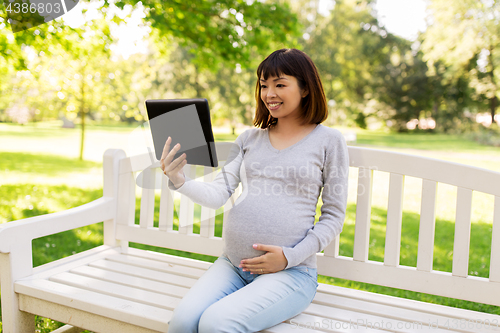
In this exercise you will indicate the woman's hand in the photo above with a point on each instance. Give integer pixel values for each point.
(271, 262)
(173, 169)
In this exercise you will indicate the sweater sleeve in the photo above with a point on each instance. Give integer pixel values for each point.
(216, 193)
(334, 197)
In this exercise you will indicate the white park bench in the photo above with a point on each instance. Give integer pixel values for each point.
(117, 288)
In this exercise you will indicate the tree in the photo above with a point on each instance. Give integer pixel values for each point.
(351, 51)
(215, 31)
(465, 37)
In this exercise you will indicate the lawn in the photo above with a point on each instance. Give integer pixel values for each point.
(40, 174)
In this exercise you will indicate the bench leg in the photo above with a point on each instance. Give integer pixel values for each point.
(13, 320)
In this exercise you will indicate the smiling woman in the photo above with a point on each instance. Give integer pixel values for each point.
(289, 74)
(267, 272)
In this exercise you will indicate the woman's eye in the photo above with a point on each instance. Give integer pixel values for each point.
(263, 86)
(280, 85)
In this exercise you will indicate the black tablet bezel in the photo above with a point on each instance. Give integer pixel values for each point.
(157, 107)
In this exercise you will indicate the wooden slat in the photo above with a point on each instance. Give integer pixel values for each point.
(328, 321)
(362, 319)
(461, 244)
(402, 277)
(166, 218)
(456, 174)
(150, 273)
(147, 198)
(495, 243)
(394, 220)
(171, 239)
(95, 303)
(207, 216)
(187, 271)
(137, 163)
(186, 207)
(168, 258)
(427, 226)
(102, 287)
(137, 282)
(363, 215)
(332, 250)
(126, 199)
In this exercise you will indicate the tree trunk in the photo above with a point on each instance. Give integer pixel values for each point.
(82, 110)
(493, 106)
(493, 100)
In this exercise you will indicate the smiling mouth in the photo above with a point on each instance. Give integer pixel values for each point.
(274, 105)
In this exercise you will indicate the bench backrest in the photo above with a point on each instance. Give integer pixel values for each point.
(178, 233)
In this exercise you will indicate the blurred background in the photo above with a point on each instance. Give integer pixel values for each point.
(416, 76)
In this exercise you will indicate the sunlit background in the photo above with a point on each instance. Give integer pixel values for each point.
(414, 76)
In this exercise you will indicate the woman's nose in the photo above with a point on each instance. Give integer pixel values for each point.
(271, 92)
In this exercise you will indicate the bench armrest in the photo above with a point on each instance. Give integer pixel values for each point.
(30, 228)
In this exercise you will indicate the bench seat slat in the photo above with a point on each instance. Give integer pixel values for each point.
(376, 312)
(116, 308)
(369, 321)
(168, 258)
(156, 265)
(79, 319)
(117, 290)
(404, 303)
(305, 322)
(132, 281)
(139, 271)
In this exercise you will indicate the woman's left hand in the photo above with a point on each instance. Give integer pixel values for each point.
(271, 262)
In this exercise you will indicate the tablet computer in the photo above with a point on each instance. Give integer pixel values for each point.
(186, 121)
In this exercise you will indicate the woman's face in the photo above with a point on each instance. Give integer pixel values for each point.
(282, 96)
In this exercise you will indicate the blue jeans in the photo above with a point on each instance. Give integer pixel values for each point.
(226, 299)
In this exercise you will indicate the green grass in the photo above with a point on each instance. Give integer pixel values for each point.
(40, 174)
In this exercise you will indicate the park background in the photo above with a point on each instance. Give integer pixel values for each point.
(73, 87)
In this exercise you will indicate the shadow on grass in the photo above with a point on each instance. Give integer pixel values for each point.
(44, 165)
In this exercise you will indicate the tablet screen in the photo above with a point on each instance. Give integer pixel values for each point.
(186, 121)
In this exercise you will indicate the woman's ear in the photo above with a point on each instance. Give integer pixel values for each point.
(305, 92)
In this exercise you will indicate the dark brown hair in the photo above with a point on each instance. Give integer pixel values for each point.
(295, 63)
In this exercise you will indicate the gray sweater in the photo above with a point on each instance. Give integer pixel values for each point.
(280, 192)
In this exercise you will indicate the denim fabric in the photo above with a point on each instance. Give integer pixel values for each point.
(227, 299)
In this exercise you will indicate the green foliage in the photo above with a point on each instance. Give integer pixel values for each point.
(233, 31)
(463, 40)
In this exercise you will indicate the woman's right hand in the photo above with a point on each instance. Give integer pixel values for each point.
(173, 169)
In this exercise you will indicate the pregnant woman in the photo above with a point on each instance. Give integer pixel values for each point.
(267, 271)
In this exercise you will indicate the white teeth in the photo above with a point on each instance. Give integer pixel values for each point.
(274, 104)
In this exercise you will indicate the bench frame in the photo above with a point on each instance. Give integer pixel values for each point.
(117, 209)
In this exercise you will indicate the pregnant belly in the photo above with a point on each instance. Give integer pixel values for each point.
(239, 245)
(245, 225)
